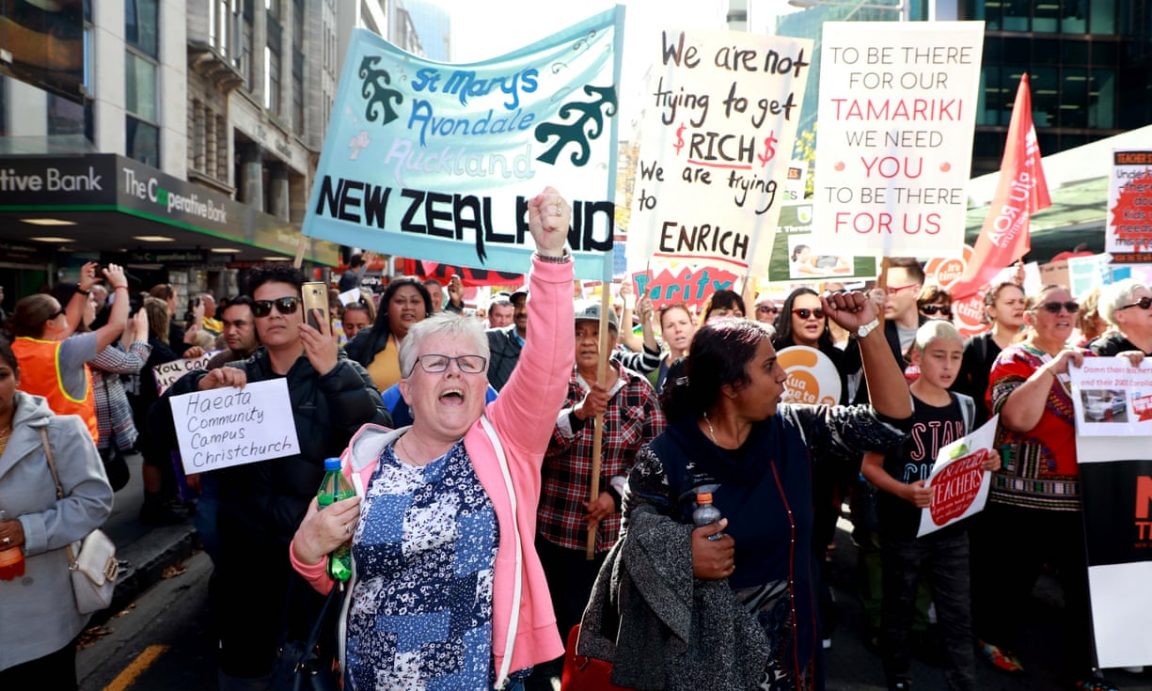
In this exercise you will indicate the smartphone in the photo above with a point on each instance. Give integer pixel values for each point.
(315, 299)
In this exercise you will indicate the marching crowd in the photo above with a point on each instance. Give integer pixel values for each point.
(476, 543)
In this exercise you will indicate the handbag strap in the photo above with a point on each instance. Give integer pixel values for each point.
(314, 636)
(51, 461)
(51, 458)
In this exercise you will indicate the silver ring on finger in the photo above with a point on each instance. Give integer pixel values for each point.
(348, 528)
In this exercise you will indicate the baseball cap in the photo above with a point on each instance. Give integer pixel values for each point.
(589, 311)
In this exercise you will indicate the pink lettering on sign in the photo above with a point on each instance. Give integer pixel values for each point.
(956, 486)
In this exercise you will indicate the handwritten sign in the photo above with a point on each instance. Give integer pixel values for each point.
(897, 114)
(1128, 227)
(718, 130)
(432, 160)
(958, 481)
(168, 372)
(226, 427)
(1111, 397)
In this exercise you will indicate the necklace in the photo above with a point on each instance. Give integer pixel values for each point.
(711, 430)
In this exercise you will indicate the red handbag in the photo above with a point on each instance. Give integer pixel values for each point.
(583, 673)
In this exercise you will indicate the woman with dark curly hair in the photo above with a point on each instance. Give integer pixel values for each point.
(406, 301)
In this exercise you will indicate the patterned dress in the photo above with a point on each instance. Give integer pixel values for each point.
(425, 549)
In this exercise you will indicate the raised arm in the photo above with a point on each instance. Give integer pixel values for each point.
(886, 385)
(118, 318)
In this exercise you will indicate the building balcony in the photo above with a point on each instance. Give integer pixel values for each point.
(207, 62)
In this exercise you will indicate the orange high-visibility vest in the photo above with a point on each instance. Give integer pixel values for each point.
(40, 375)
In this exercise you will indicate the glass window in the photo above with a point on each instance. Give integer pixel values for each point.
(143, 142)
(298, 90)
(1074, 98)
(1102, 99)
(1045, 96)
(1104, 53)
(1075, 19)
(1103, 19)
(140, 25)
(1046, 51)
(140, 87)
(64, 116)
(1047, 16)
(1073, 52)
(271, 80)
(1016, 14)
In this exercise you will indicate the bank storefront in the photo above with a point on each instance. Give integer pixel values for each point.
(56, 212)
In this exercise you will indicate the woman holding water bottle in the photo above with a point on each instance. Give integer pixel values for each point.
(726, 429)
(447, 590)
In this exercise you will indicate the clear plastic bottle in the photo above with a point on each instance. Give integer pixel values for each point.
(705, 513)
(11, 559)
(334, 488)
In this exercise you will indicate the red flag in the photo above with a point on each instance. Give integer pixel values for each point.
(1020, 192)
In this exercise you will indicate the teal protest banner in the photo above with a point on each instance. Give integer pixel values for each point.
(438, 161)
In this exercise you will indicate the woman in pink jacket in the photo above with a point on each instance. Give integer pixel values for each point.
(447, 588)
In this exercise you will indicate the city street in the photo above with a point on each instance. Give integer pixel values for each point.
(163, 641)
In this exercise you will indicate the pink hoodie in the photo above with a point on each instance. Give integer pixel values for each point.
(523, 418)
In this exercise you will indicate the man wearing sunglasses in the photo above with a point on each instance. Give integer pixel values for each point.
(1127, 306)
(262, 504)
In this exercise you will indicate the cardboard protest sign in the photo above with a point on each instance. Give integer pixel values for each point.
(718, 129)
(167, 373)
(896, 119)
(1115, 461)
(670, 282)
(1111, 397)
(1128, 226)
(812, 377)
(431, 160)
(229, 426)
(959, 483)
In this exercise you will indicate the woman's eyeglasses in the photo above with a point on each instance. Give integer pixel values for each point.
(285, 305)
(468, 364)
(933, 310)
(1054, 307)
(804, 313)
(1143, 303)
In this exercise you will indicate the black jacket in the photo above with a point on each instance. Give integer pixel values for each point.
(1111, 344)
(504, 354)
(364, 346)
(265, 501)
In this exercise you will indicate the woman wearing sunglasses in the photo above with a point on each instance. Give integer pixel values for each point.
(447, 590)
(1032, 519)
(1126, 305)
(934, 302)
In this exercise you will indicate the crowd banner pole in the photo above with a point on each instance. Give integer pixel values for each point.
(598, 423)
(301, 245)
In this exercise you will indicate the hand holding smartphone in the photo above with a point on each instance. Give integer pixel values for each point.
(315, 294)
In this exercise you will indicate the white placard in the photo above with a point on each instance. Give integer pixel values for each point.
(226, 427)
(350, 297)
(897, 115)
(718, 129)
(959, 481)
(167, 373)
(1111, 397)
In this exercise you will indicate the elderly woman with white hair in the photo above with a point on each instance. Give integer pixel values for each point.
(447, 589)
(1127, 306)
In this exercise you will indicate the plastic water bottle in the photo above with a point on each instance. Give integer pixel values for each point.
(11, 559)
(705, 513)
(334, 488)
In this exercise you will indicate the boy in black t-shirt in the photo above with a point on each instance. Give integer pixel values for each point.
(939, 418)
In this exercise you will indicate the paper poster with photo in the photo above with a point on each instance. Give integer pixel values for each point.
(959, 482)
(1128, 225)
(897, 115)
(168, 372)
(718, 128)
(439, 161)
(812, 377)
(226, 427)
(1112, 398)
(797, 256)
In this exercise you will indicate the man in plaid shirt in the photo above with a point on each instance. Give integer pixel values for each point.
(632, 417)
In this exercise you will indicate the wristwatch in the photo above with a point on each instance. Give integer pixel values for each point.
(868, 328)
